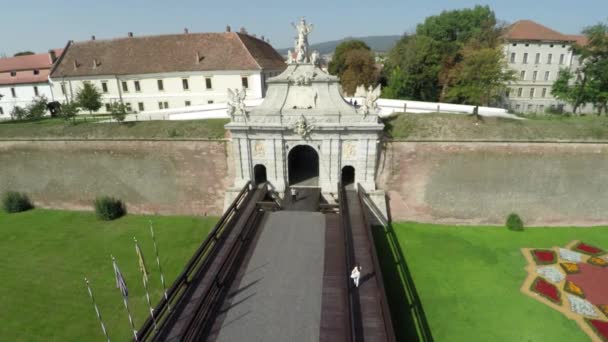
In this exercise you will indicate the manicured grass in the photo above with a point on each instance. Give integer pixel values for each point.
(46, 254)
(468, 280)
(465, 127)
(90, 129)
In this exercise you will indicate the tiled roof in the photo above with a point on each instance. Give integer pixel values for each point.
(527, 30)
(167, 53)
(579, 39)
(24, 67)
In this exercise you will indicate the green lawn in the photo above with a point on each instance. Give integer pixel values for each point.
(468, 280)
(46, 254)
(464, 127)
(90, 129)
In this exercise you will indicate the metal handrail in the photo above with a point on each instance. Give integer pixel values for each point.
(350, 263)
(386, 313)
(181, 283)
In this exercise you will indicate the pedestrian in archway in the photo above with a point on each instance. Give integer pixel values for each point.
(294, 194)
(355, 275)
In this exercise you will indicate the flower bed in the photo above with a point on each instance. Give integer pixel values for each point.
(600, 327)
(544, 257)
(546, 289)
(588, 249)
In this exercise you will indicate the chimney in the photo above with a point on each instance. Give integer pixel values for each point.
(76, 65)
(199, 57)
(262, 38)
(130, 34)
(228, 28)
(52, 56)
(243, 31)
(96, 63)
(186, 30)
(93, 37)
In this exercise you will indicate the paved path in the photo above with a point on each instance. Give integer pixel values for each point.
(279, 296)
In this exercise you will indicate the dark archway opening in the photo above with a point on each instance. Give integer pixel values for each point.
(259, 174)
(348, 177)
(303, 164)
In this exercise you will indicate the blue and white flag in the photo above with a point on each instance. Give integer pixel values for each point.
(120, 280)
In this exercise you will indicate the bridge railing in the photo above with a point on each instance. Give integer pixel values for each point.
(196, 264)
(386, 312)
(353, 299)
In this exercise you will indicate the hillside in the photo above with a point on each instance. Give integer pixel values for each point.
(376, 43)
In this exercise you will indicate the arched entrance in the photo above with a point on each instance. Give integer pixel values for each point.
(348, 177)
(259, 174)
(303, 164)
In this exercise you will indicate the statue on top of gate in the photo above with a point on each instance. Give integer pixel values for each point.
(301, 48)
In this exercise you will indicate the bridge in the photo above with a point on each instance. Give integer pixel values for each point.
(279, 270)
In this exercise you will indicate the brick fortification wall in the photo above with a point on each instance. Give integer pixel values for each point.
(165, 177)
(481, 183)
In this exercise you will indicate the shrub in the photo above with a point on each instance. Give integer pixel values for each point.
(15, 202)
(37, 108)
(118, 111)
(109, 208)
(515, 223)
(18, 113)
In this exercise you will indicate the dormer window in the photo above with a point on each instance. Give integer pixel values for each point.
(36, 72)
(13, 73)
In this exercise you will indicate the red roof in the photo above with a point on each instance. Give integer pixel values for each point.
(528, 30)
(24, 66)
(578, 39)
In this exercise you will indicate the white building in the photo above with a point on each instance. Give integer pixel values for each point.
(167, 71)
(537, 53)
(24, 78)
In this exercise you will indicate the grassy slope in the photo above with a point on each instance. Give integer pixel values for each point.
(46, 254)
(468, 279)
(57, 128)
(461, 127)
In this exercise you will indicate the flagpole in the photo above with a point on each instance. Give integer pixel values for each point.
(124, 297)
(160, 270)
(103, 326)
(144, 273)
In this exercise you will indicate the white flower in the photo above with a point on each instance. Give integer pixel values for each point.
(581, 306)
(551, 273)
(569, 255)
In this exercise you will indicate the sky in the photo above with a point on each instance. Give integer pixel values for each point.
(39, 25)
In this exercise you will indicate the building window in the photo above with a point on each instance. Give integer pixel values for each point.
(160, 84)
(1, 111)
(526, 58)
(514, 44)
(508, 94)
(163, 105)
(13, 92)
(104, 87)
(517, 107)
(550, 57)
(529, 108)
(140, 106)
(137, 86)
(522, 75)
(541, 108)
(532, 92)
(36, 71)
(547, 74)
(208, 83)
(160, 105)
(562, 57)
(166, 105)
(125, 86)
(209, 101)
(245, 82)
(537, 61)
(13, 73)
(63, 89)
(544, 93)
(534, 75)
(185, 84)
(35, 90)
(128, 107)
(108, 108)
(520, 91)
(187, 103)
(513, 56)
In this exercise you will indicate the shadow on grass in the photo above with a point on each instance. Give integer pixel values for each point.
(409, 319)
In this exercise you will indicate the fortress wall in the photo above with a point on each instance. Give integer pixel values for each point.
(165, 177)
(481, 183)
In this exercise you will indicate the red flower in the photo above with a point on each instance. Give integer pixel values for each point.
(588, 249)
(544, 257)
(600, 327)
(546, 289)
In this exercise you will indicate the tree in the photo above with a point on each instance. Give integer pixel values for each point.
(68, 111)
(89, 97)
(481, 78)
(37, 108)
(23, 53)
(337, 65)
(360, 70)
(118, 111)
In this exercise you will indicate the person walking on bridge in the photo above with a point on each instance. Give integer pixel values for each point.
(294, 194)
(356, 274)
